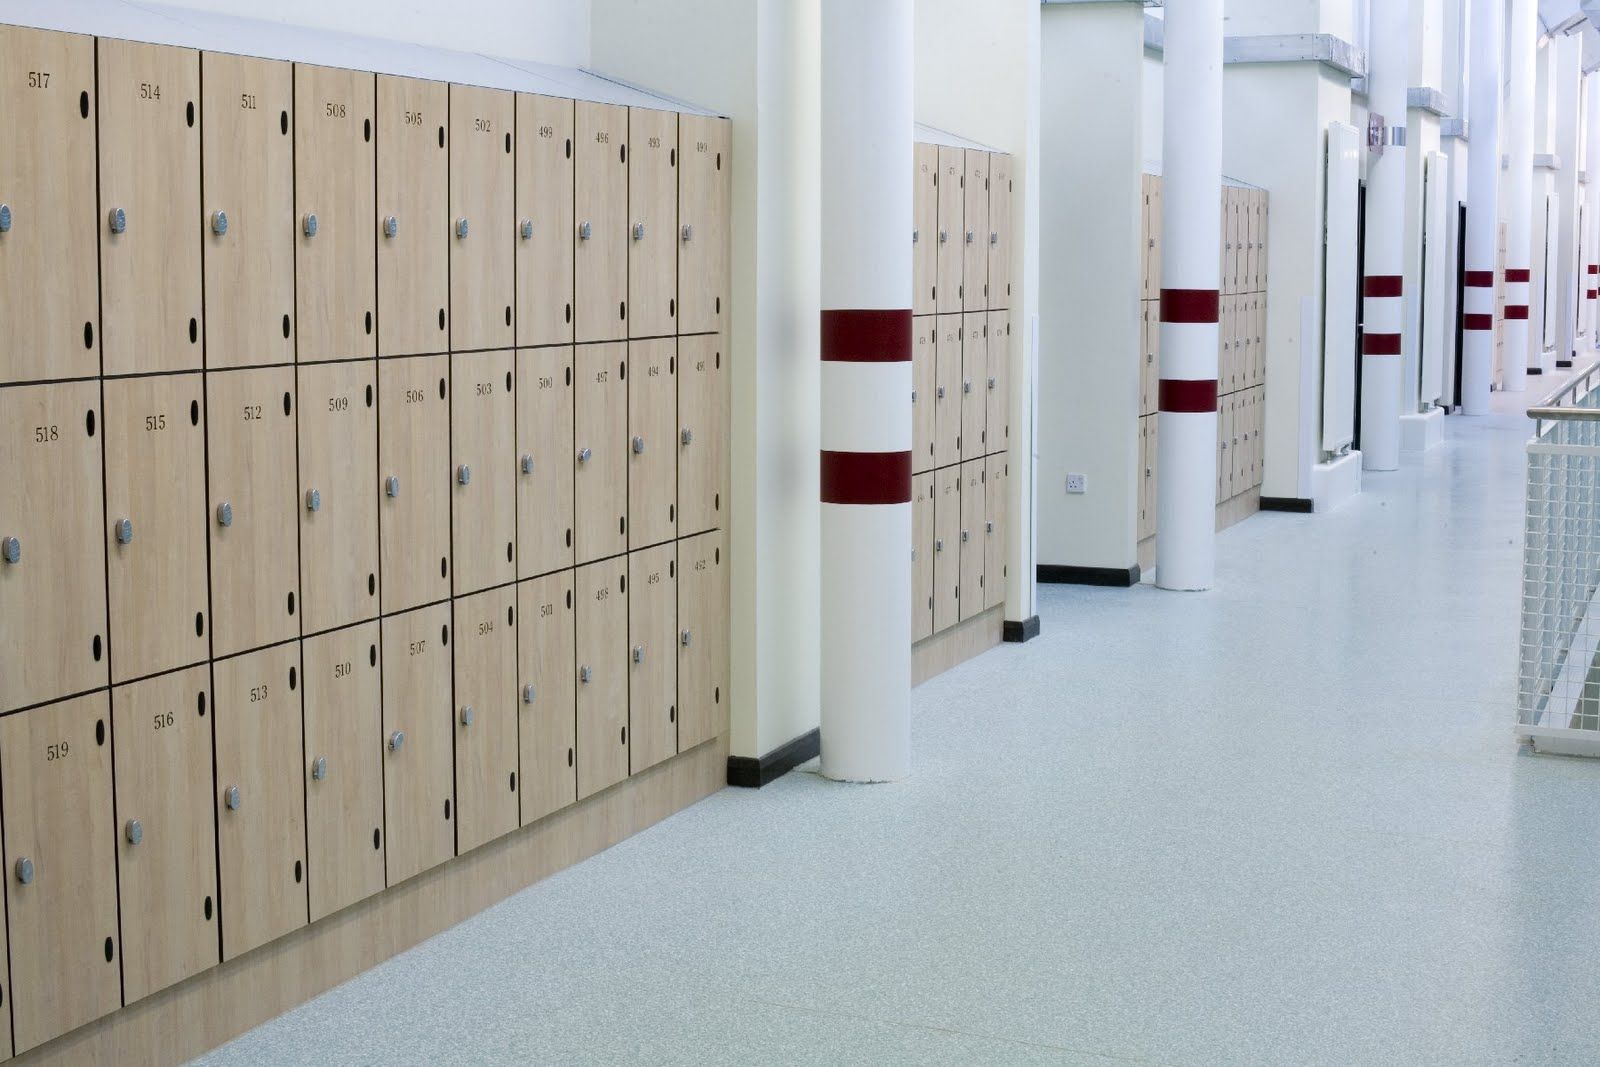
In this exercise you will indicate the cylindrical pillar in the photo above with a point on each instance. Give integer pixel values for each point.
(867, 130)
(1522, 61)
(1191, 221)
(1589, 263)
(1383, 333)
(1483, 206)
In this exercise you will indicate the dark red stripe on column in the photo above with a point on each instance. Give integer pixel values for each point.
(866, 477)
(1188, 396)
(1516, 311)
(866, 336)
(1380, 344)
(1480, 279)
(1380, 285)
(1518, 274)
(1593, 294)
(1190, 305)
(1594, 268)
(1477, 322)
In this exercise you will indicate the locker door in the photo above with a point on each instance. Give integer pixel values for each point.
(1235, 473)
(49, 254)
(600, 422)
(600, 207)
(52, 593)
(547, 681)
(150, 270)
(947, 392)
(413, 216)
(924, 229)
(997, 434)
(921, 556)
(261, 796)
(414, 480)
(544, 220)
(974, 384)
(1152, 475)
(1143, 486)
(482, 218)
(652, 441)
(652, 656)
(486, 716)
(1146, 287)
(975, 236)
(544, 460)
(1000, 189)
(343, 768)
(602, 644)
(1149, 372)
(166, 829)
(1222, 449)
(255, 564)
(652, 222)
(996, 505)
(418, 761)
(702, 433)
(1261, 339)
(705, 200)
(952, 231)
(702, 638)
(156, 523)
(338, 494)
(483, 440)
(973, 542)
(61, 890)
(924, 375)
(1226, 371)
(247, 210)
(1252, 208)
(946, 548)
(334, 174)
(1156, 249)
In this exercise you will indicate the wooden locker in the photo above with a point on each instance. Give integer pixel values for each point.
(166, 829)
(483, 225)
(1227, 368)
(1000, 190)
(60, 863)
(1146, 242)
(547, 694)
(53, 592)
(414, 480)
(1142, 485)
(544, 220)
(1239, 438)
(924, 229)
(952, 167)
(974, 384)
(602, 647)
(483, 456)
(652, 656)
(997, 387)
(255, 558)
(946, 548)
(1251, 199)
(973, 542)
(413, 215)
(246, 209)
(343, 767)
(702, 444)
(544, 460)
(1149, 332)
(652, 222)
(419, 829)
(975, 235)
(338, 494)
(486, 717)
(996, 508)
(924, 376)
(149, 97)
(1222, 450)
(1257, 414)
(652, 441)
(922, 556)
(705, 206)
(947, 406)
(702, 643)
(335, 172)
(1156, 209)
(49, 247)
(1261, 339)
(1152, 471)
(600, 208)
(600, 428)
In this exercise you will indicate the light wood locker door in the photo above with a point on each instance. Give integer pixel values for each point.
(413, 216)
(946, 548)
(652, 222)
(255, 558)
(166, 829)
(149, 97)
(156, 523)
(1000, 190)
(547, 694)
(652, 441)
(261, 796)
(343, 767)
(1158, 248)
(702, 638)
(1236, 466)
(924, 376)
(60, 867)
(483, 455)
(483, 226)
(951, 237)
(544, 460)
(973, 542)
(921, 556)
(335, 172)
(975, 235)
(1145, 241)
(486, 717)
(52, 556)
(652, 656)
(544, 220)
(947, 406)
(600, 421)
(996, 507)
(998, 385)
(1146, 525)
(1152, 474)
(49, 247)
(1261, 340)
(1149, 369)
(924, 229)
(338, 494)
(705, 206)
(602, 609)
(414, 481)
(419, 829)
(247, 209)
(600, 209)
(702, 439)
(974, 381)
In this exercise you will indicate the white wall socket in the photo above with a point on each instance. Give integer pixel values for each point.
(1077, 483)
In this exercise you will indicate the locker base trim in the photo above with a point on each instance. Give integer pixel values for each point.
(1115, 577)
(1296, 504)
(753, 772)
(1017, 633)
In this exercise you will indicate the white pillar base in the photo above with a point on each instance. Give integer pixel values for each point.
(1335, 482)
(1418, 433)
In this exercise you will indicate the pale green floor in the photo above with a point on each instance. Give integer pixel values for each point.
(1282, 822)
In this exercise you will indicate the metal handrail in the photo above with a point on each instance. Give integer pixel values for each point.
(1554, 406)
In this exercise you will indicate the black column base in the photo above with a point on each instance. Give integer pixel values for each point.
(1019, 632)
(753, 772)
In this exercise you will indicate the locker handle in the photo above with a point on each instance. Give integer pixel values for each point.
(391, 485)
(585, 231)
(913, 396)
(24, 871)
(688, 232)
(224, 514)
(994, 237)
(585, 674)
(219, 222)
(938, 545)
(124, 528)
(397, 739)
(683, 638)
(638, 445)
(133, 831)
(319, 768)
(309, 224)
(916, 235)
(391, 226)
(991, 383)
(638, 653)
(944, 236)
(527, 463)
(638, 231)
(528, 694)
(233, 798)
(461, 227)
(11, 550)
(939, 392)
(525, 228)
(313, 500)
(466, 715)
(5, 218)
(464, 474)
(988, 527)
(686, 436)
(971, 237)
(118, 220)
(965, 537)
(966, 386)
(583, 455)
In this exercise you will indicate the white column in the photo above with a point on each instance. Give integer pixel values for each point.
(1483, 206)
(1191, 222)
(1383, 328)
(1522, 61)
(867, 57)
(1589, 262)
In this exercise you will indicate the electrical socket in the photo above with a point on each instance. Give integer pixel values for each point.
(1077, 483)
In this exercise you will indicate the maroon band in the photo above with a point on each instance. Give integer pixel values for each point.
(1518, 274)
(1380, 344)
(1593, 294)
(1516, 311)
(1190, 305)
(866, 336)
(1480, 279)
(1477, 322)
(1594, 268)
(1381, 285)
(866, 477)
(1188, 396)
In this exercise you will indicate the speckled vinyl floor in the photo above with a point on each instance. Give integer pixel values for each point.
(1284, 822)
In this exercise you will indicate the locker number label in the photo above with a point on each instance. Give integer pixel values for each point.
(56, 750)
(247, 101)
(419, 647)
(43, 435)
(483, 388)
(483, 125)
(702, 146)
(413, 118)
(546, 382)
(485, 627)
(342, 670)
(334, 110)
(149, 91)
(252, 413)
(654, 578)
(258, 693)
(547, 132)
(164, 721)
(38, 79)
(546, 610)
(338, 403)
(155, 423)
(415, 396)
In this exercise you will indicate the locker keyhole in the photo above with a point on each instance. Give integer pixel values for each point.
(199, 624)
(285, 327)
(188, 114)
(299, 872)
(110, 950)
(194, 330)
(366, 129)
(377, 838)
(441, 145)
(283, 123)
(88, 335)
(94, 648)
(83, 104)
(207, 909)
(200, 704)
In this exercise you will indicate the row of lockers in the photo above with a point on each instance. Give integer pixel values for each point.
(1243, 245)
(163, 209)
(149, 522)
(156, 828)
(1241, 348)
(1240, 457)
(961, 232)
(958, 555)
(960, 389)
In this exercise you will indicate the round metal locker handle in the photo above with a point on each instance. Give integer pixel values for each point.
(686, 436)
(584, 674)
(583, 455)
(944, 236)
(638, 653)
(965, 537)
(528, 693)
(638, 231)
(638, 445)
(991, 381)
(527, 463)
(464, 474)
(994, 238)
(939, 392)
(938, 545)
(916, 235)
(313, 500)
(526, 229)
(585, 231)
(24, 869)
(461, 227)
(5, 218)
(688, 232)
(683, 638)
(391, 226)
(966, 386)
(118, 220)
(11, 550)
(970, 237)
(124, 531)
(397, 739)
(133, 831)
(391, 485)
(988, 527)
(309, 224)
(319, 768)
(233, 798)
(913, 396)
(219, 222)
(466, 715)
(224, 514)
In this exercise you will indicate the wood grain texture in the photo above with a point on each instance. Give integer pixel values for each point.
(922, 555)
(703, 582)
(975, 233)
(486, 748)
(602, 609)
(973, 542)
(954, 645)
(413, 171)
(924, 382)
(544, 264)
(414, 449)
(652, 659)
(546, 662)
(482, 195)
(483, 429)
(952, 212)
(652, 222)
(419, 764)
(600, 261)
(600, 430)
(338, 430)
(705, 204)
(544, 440)
(653, 442)
(703, 414)
(925, 229)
